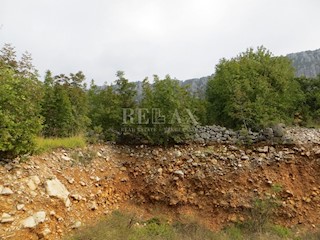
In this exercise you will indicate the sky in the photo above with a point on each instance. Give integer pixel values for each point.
(183, 38)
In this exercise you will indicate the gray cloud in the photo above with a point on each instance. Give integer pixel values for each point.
(182, 38)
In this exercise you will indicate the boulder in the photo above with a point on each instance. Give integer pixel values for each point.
(56, 189)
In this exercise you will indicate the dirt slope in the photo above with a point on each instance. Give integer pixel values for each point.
(217, 183)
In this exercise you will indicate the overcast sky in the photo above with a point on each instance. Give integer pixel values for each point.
(183, 38)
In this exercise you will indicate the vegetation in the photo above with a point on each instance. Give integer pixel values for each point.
(48, 144)
(168, 111)
(250, 91)
(253, 90)
(20, 119)
(310, 107)
(126, 226)
(64, 105)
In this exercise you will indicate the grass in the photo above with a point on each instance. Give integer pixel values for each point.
(125, 226)
(48, 144)
(120, 226)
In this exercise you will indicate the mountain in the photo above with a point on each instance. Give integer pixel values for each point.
(306, 63)
(197, 85)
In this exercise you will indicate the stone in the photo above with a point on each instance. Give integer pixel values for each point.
(6, 191)
(34, 220)
(33, 182)
(278, 130)
(20, 207)
(29, 222)
(177, 153)
(76, 196)
(264, 149)
(39, 217)
(268, 132)
(245, 158)
(6, 218)
(65, 158)
(93, 206)
(77, 224)
(179, 172)
(45, 232)
(56, 189)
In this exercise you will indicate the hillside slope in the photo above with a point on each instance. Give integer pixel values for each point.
(306, 63)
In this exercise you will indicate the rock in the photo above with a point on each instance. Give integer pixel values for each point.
(268, 132)
(45, 232)
(76, 225)
(34, 220)
(6, 218)
(76, 196)
(33, 182)
(264, 149)
(123, 169)
(177, 154)
(160, 170)
(6, 191)
(155, 152)
(278, 130)
(93, 206)
(65, 158)
(245, 158)
(82, 183)
(20, 207)
(55, 188)
(39, 217)
(29, 222)
(179, 172)
(99, 154)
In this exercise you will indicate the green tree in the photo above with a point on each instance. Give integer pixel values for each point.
(253, 90)
(310, 107)
(104, 110)
(20, 118)
(168, 110)
(65, 105)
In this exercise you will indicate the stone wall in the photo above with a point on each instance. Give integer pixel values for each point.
(276, 134)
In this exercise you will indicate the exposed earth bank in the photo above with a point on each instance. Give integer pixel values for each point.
(47, 196)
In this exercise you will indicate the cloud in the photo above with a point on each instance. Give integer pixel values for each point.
(182, 38)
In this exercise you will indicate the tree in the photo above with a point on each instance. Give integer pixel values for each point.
(168, 110)
(253, 90)
(20, 119)
(65, 105)
(310, 107)
(104, 110)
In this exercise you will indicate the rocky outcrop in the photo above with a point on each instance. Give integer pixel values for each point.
(306, 63)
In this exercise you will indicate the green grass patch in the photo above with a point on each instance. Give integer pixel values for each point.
(126, 226)
(120, 226)
(48, 144)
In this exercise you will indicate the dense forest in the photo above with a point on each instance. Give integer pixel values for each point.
(252, 90)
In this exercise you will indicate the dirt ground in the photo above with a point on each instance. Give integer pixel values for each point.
(215, 185)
